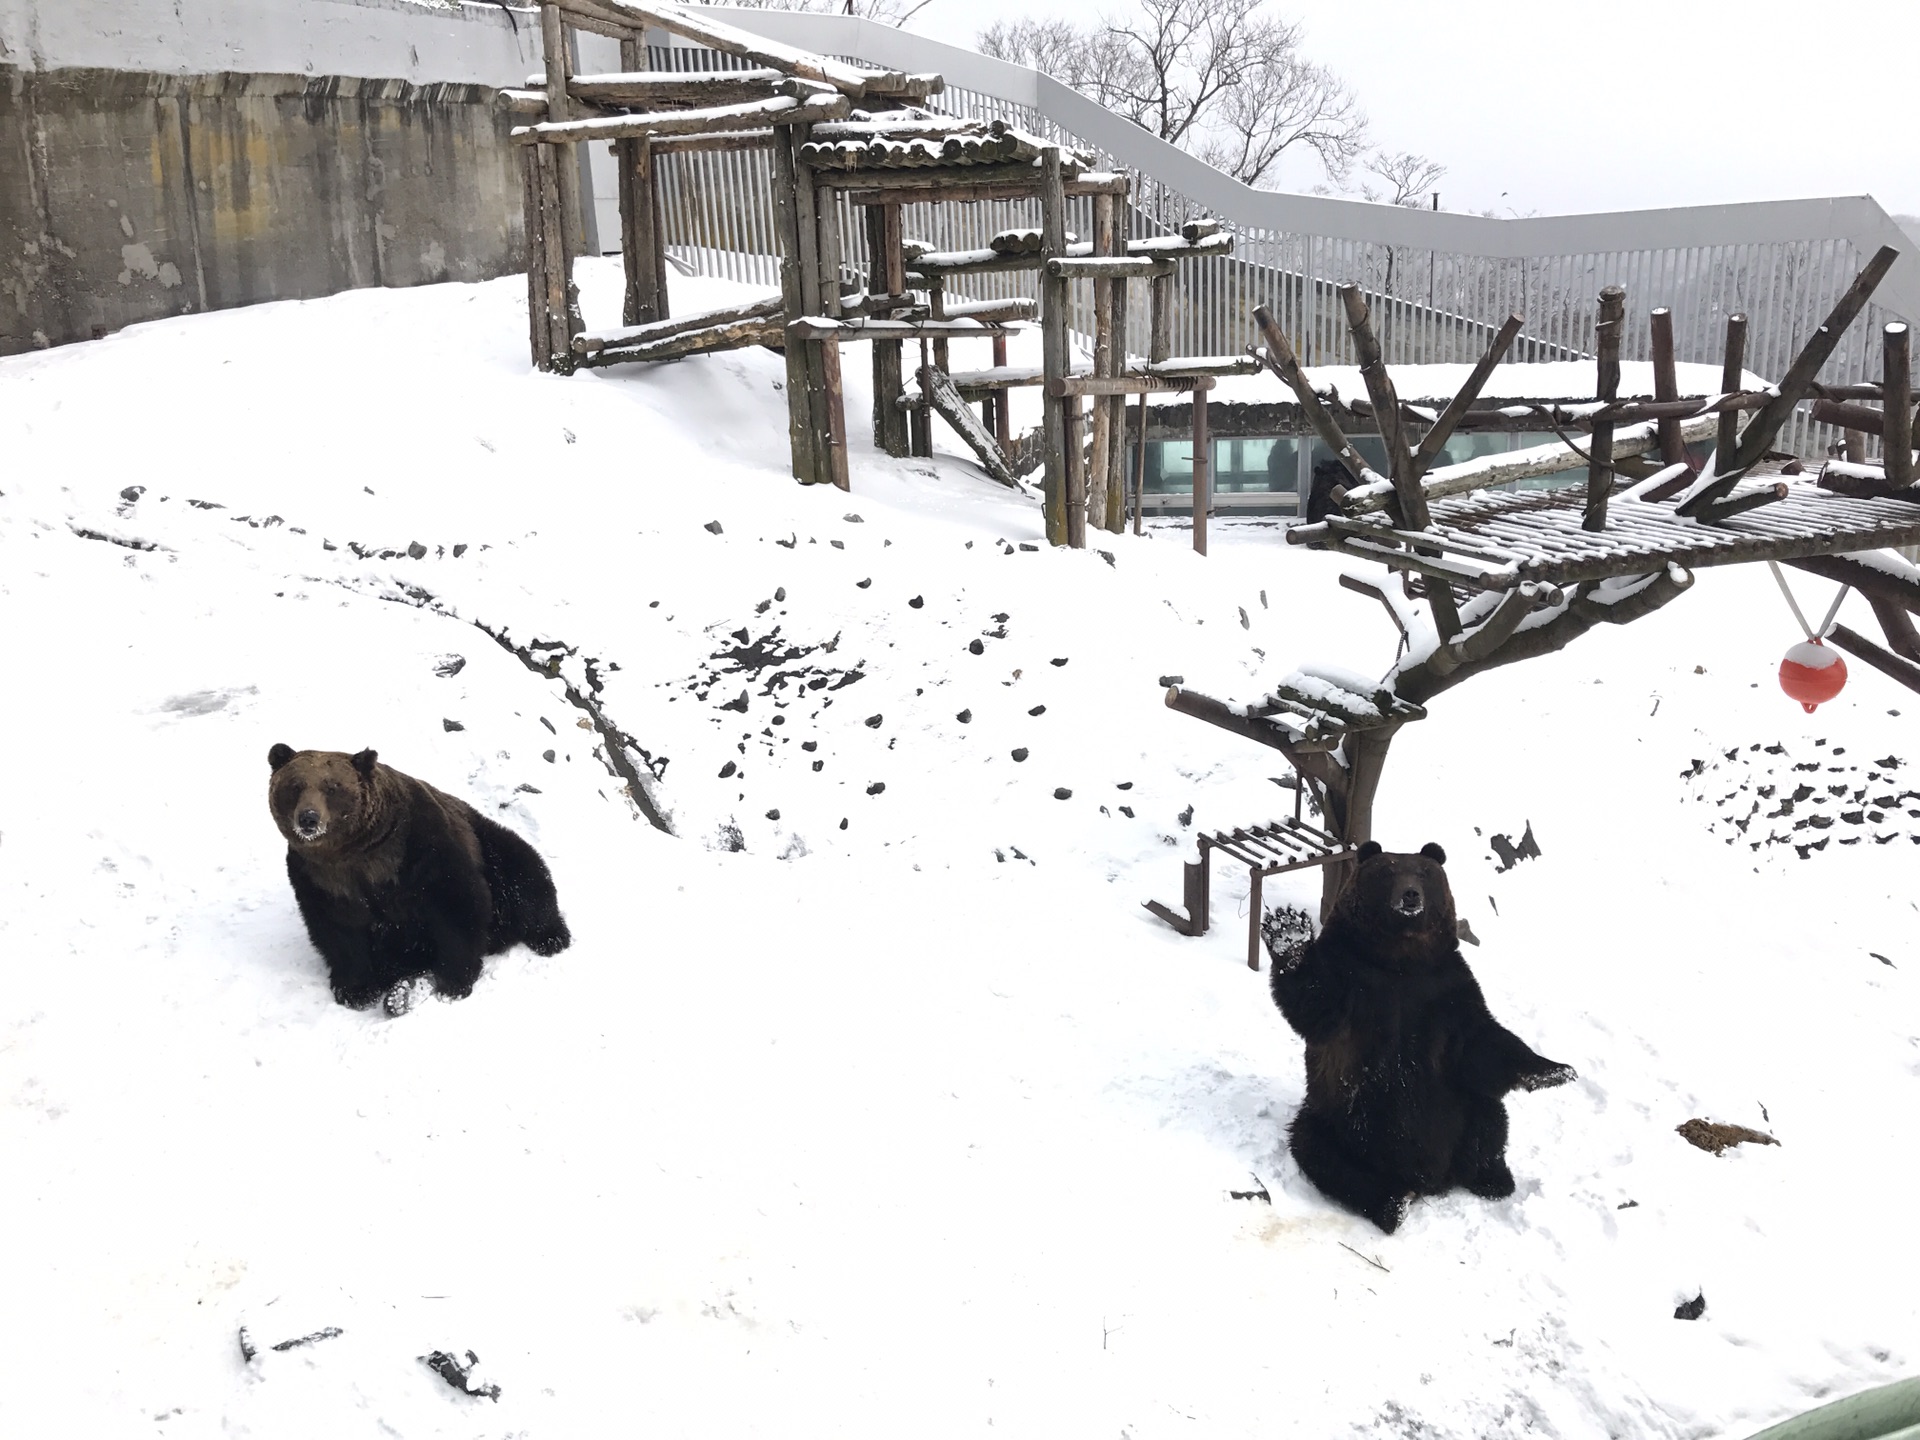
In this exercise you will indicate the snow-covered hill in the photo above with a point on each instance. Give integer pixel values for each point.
(870, 1101)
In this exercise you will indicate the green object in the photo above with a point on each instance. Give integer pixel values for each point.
(1890, 1413)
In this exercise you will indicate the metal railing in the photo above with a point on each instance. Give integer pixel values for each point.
(1439, 283)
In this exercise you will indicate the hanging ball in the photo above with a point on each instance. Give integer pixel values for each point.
(1812, 674)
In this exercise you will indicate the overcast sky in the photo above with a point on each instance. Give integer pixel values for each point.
(1562, 106)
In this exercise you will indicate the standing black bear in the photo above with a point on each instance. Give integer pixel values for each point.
(397, 880)
(1405, 1066)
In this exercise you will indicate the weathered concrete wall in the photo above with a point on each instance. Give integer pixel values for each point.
(158, 158)
(128, 197)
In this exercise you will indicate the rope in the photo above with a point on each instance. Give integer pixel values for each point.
(1826, 625)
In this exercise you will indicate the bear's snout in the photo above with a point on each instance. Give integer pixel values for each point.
(309, 824)
(1411, 901)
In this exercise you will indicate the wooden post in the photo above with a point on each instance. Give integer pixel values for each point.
(1076, 474)
(557, 252)
(793, 139)
(1160, 318)
(566, 169)
(538, 335)
(1053, 320)
(1140, 472)
(1116, 519)
(1002, 418)
(810, 465)
(1732, 366)
(1613, 312)
(1666, 386)
(1202, 463)
(921, 416)
(886, 274)
(1896, 439)
(827, 214)
(1100, 462)
(836, 414)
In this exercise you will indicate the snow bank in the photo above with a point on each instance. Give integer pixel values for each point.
(916, 1123)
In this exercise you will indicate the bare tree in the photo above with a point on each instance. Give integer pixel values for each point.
(1224, 79)
(1406, 178)
(893, 12)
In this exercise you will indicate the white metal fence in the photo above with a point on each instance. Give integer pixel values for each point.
(1439, 283)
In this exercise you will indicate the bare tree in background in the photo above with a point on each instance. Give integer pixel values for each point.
(1223, 79)
(892, 12)
(1406, 179)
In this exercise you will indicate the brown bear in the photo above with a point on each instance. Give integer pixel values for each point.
(398, 881)
(1406, 1068)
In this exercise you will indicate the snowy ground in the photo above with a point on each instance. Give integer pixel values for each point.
(858, 1110)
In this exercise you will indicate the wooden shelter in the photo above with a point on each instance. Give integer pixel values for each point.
(831, 130)
(1512, 576)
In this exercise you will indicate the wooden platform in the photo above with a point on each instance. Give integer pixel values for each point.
(1497, 540)
(1270, 849)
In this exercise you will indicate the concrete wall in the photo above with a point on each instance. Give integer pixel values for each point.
(160, 159)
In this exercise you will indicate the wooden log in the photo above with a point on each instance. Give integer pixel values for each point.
(644, 264)
(836, 415)
(1793, 387)
(1076, 498)
(994, 312)
(1613, 316)
(1887, 663)
(1202, 464)
(582, 15)
(1100, 460)
(1140, 472)
(768, 311)
(1160, 318)
(919, 412)
(891, 428)
(915, 181)
(1860, 419)
(1170, 247)
(653, 89)
(1133, 384)
(1054, 355)
(833, 276)
(1740, 504)
(1490, 634)
(1412, 507)
(946, 400)
(691, 24)
(1281, 360)
(1196, 230)
(1002, 414)
(1666, 385)
(755, 115)
(1863, 482)
(1874, 581)
(1733, 368)
(860, 327)
(554, 53)
(724, 142)
(561, 308)
(907, 124)
(1897, 625)
(700, 340)
(814, 293)
(1189, 365)
(539, 336)
(1118, 267)
(1443, 427)
(810, 465)
(1116, 516)
(1896, 449)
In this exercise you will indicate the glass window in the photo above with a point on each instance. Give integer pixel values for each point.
(1241, 465)
(1574, 474)
(1471, 446)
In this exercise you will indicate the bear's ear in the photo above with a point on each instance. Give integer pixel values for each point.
(279, 755)
(1368, 850)
(364, 761)
(1434, 853)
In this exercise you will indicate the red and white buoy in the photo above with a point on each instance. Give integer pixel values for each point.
(1812, 674)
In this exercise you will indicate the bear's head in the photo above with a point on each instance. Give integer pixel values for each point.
(1401, 902)
(322, 800)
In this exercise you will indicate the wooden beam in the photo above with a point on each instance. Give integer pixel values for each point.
(767, 311)
(933, 177)
(1794, 385)
(700, 340)
(1885, 661)
(756, 115)
(651, 88)
(1411, 511)
(1282, 361)
(1896, 448)
(820, 327)
(1117, 267)
(1100, 461)
(1054, 355)
(1613, 316)
(1666, 385)
(1443, 427)
(690, 24)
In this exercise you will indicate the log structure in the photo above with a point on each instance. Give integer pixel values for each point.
(1513, 575)
(837, 132)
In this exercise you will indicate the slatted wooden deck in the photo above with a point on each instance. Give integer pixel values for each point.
(1496, 540)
